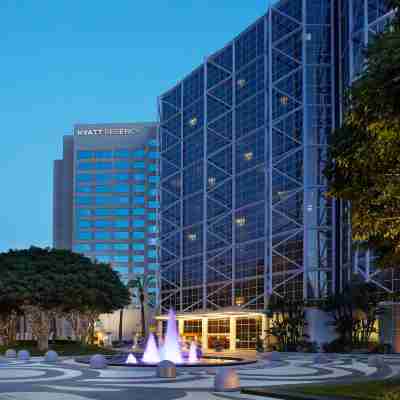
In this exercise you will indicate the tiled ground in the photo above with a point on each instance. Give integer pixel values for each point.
(67, 380)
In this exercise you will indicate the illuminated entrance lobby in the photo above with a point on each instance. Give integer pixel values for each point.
(230, 329)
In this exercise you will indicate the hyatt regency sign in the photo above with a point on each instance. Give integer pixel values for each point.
(105, 131)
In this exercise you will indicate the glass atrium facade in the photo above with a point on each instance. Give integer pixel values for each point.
(114, 197)
(243, 147)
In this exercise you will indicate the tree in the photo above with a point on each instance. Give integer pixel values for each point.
(355, 311)
(364, 162)
(141, 285)
(53, 283)
(288, 322)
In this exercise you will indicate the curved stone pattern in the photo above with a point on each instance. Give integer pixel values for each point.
(70, 380)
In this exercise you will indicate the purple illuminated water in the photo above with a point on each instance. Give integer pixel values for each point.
(131, 359)
(193, 353)
(171, 348)
(151, 355)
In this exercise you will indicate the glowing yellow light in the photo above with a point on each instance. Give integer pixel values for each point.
(248, 156)
(192, 236)
(193, 121)
(241, 83)
(241, 221)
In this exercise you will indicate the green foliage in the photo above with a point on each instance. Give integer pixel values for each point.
(392, 395)
(288, 322)
(364, 165)
(46, 283)
(354, 312)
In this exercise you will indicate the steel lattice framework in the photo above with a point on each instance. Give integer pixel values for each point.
(243, 146)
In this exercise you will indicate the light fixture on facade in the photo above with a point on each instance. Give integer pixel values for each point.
(239, 301)
(248, 156)
(241, 83)
(284, 100)
(241, 221)
(212, 180)
(192, 237)
(193, 122)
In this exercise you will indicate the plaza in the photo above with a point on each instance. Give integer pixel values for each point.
(67, 379)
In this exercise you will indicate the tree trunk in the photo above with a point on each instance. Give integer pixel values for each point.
(43, 342)
(121, 319)
(142, 315)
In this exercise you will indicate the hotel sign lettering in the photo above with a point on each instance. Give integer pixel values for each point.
(105, 131)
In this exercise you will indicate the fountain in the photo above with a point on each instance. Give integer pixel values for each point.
(172, 351)
(151, 355)
(169, 349)
(131, 359)
(193, 353)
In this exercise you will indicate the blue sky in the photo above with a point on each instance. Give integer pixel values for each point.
(69, 61)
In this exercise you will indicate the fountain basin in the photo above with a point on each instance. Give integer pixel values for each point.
(119, 360)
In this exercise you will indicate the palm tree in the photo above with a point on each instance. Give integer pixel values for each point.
(141, 284)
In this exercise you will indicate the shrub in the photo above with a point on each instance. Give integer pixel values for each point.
(393, 395)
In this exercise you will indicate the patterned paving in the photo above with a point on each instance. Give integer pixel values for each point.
(70, 380)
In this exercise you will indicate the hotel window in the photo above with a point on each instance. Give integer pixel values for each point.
(138, 153)
(153, 143)
(83, 189)
(121, 246)
(152, 254)
(138, 164)
(152, 168)
(193, 326)
(83, 200)
(103, 154)
(154, 178)
(138, 223)
(103, 178)
(152, 216)
(138, 258)
(102, 246)
(121, 165)
(122, 212)
(218, 326)
(121, 188)
(154, 204)
(122, 223)
(152, 229)
(138, 246)
(83, 212)
(138, 177)
(121, 258)
(138, 211)
(138, 200)
(122, 153)
(103, 212)
(152, 241)
(81, 247)
(138, 270)
(83, 223)
(103, 189)
(84, 235)
(84, 154)
(122, 177)
(103, 259)
(153, 155)
(152, 192)
(103, 165)
(153, 266)
(121, 235)
(84, 177)
(138, 235)
(102, 235)
(103, 223)
(139, 188)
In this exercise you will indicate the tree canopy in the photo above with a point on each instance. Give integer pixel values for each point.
(45, 283)
(364, 166)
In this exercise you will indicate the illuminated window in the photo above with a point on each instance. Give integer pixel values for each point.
(248, 156)
(241, 83)
(193, 122)
(284, 100)
(241, 221)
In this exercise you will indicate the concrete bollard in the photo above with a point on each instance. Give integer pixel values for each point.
(98, 361)
(51, 356)
(23, 355)
(226, 380)
(166, 369)
(11, 353)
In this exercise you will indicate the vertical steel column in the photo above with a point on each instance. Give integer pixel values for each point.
(233, 170)
(306, 168)
(180, 230)
(205, 157)
(350, 41)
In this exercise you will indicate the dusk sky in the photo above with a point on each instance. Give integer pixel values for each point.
(64, 62)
